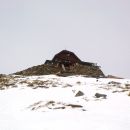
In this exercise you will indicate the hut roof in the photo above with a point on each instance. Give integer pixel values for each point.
(66, 56)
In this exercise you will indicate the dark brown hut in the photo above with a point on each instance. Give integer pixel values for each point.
(67, 59)
(65, 63)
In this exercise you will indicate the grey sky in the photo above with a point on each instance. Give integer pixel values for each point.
(32, 31)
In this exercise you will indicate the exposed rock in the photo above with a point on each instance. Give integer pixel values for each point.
(53, 105)
(79, 93)
(114, 83)
(74, 106)
(99, 95)
(127, 86)
(114, 77)
(6, 81)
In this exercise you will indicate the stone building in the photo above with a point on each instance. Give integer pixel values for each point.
(65, 63)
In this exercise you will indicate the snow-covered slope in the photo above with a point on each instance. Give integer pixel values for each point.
(65, 103)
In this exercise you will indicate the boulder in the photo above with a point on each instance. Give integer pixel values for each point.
(99, 95)
(79, 93)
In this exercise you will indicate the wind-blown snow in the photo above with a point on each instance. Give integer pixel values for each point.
(52, 105)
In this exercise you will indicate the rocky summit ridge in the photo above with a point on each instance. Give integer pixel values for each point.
(64, 63)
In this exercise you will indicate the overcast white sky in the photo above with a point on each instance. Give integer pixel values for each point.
(32, 31)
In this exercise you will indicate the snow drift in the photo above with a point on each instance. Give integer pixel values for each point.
(50, 102)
